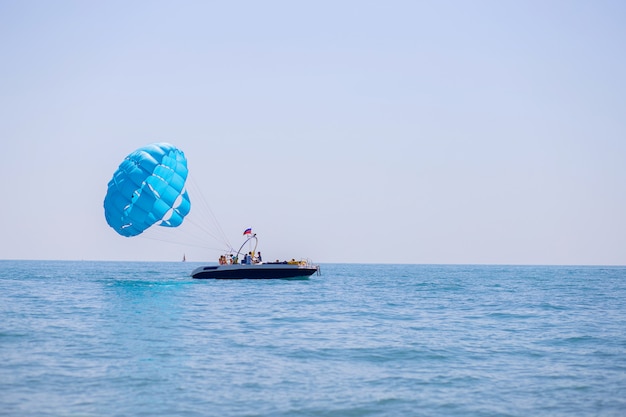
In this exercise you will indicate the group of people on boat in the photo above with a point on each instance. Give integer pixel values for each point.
(252, 258)
(249, 258)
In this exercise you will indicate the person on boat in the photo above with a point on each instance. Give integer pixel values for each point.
(258, 258)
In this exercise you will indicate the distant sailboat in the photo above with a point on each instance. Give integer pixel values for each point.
(184, 258)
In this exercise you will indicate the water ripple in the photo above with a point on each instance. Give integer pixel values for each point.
(118, 339)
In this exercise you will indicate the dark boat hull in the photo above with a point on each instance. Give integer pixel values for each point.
(255, 271)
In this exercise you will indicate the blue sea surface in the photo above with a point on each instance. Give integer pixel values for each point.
(144, 339)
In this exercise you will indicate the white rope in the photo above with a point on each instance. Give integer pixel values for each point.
(200, 228)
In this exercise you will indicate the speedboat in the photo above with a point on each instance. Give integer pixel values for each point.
(251, 266)
(271, 270)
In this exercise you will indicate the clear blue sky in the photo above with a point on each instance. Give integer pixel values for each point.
(342, 131)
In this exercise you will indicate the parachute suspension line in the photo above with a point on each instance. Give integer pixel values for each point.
(183, 236)
(186, 244)
(201, 227)
(218, 233)
(199, 224)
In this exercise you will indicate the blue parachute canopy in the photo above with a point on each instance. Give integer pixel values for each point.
(148, 188)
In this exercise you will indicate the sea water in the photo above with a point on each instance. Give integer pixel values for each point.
(144, 339)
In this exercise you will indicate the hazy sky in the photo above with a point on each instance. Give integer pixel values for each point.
(343, 131)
